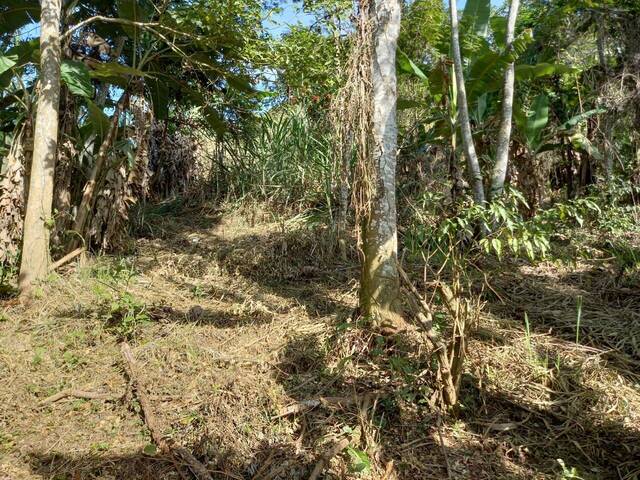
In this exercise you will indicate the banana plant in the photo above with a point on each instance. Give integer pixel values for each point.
(531, 125)
(486, 63)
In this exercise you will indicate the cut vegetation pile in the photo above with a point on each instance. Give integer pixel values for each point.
(244, 340)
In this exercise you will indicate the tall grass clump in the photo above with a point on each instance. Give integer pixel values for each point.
(282, 158)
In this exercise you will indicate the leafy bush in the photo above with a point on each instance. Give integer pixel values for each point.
(499, 226)
(124, 314)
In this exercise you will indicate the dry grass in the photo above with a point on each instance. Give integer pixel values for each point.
(237, 316)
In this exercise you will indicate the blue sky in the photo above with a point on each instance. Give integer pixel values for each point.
(291, 14)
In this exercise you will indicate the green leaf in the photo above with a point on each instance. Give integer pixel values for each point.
(476, 16)
(214, 120)
(7, 62)
(115, 73)
(537, 120)
(150, 449)
(581, 142)
(530, 72)
(98, 121)
(406, 65)
(497, 246)
(136, 11)
(25, 52)
(519, 45)
(573, 121)
(499, 28)
(76, 76)
(160, 97)
(239, 83)
(360, 462)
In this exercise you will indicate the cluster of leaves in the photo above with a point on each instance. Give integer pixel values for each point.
(500, 226)
(124, 313)
(191, 54)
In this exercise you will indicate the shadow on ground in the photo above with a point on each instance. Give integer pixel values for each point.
(383, 382)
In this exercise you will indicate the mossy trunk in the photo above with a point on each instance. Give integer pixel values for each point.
(380, 284)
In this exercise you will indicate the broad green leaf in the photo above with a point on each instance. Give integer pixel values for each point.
(25, 52)
(7, 62)
(581, 142)
(530, 72)
(134, 10)
(112, 72)
(476, 16)
(239, 83)
(359, 460)
(573, 121)
(159, 96)
(214, 120)
(537, 120)
(499, 29)
(519, 45)
(98, 120)
(406, 65)
(76, 76)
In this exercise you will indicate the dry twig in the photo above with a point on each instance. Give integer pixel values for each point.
(165, 445)
(70, 392)
(326, 458)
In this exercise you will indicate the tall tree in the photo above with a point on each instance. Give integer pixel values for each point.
(463, 110)
(380, 287)
(504, 134)
(35, 248)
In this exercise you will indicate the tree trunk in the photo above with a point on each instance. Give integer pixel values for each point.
(600, 42)
(343, 206)
(607, 149)
(35, 248)
(380, 284)
(504, 134)
(86, 203)
(463, 110)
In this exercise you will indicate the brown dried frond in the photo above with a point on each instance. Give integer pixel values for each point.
(351, 115)
(12, 199)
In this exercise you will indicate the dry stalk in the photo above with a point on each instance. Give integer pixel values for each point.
(351, 116)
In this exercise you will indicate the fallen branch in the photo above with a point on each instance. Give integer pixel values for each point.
(326, 458)
(70, 392)
(67, 258)
(423, 314)
(309, 404)
(164, 444)
(304, 405)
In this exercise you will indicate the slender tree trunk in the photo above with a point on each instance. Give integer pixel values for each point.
(504, 134)
(600, 42)
(88, 194)
(343, 206)
(35, 248)
(380, 284)
(463, 110)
